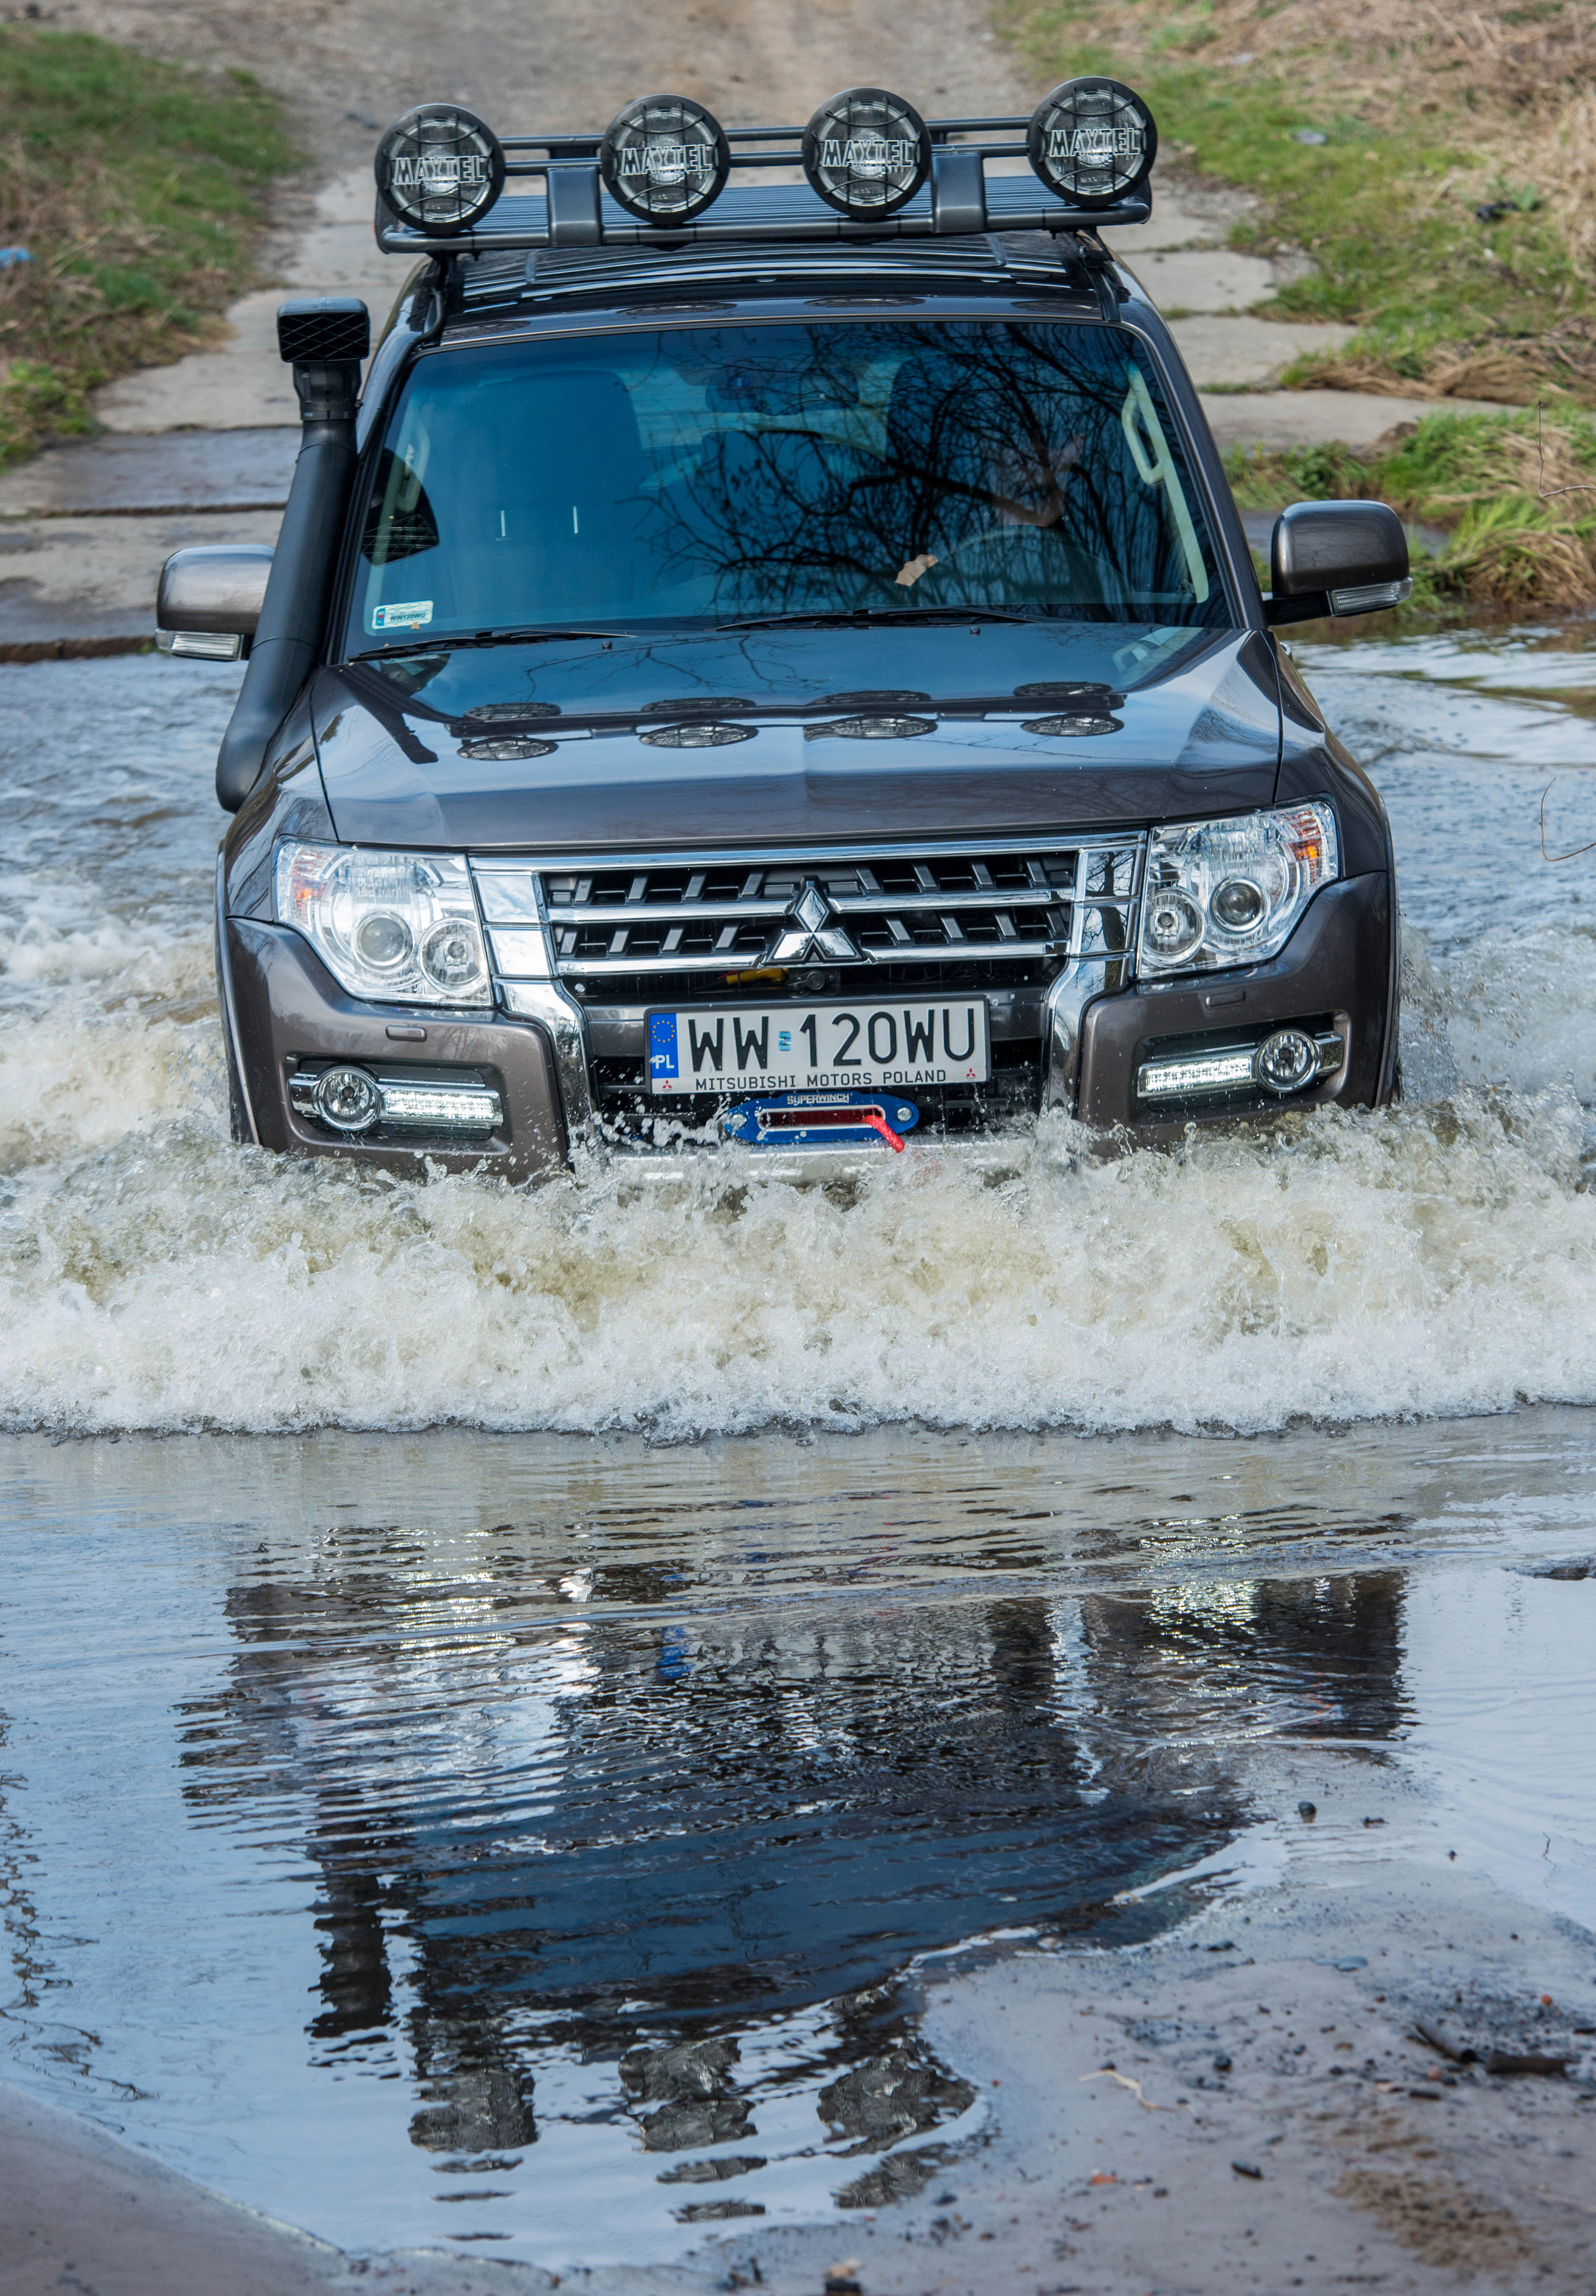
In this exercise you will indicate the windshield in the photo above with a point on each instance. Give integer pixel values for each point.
(714, 474)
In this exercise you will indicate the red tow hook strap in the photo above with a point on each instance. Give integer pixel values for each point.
(879, 1124)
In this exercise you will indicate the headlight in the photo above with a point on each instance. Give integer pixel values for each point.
(398, 928)
(1230, 892)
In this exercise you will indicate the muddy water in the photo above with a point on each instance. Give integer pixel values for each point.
(483, 1837)
(1435, 1258)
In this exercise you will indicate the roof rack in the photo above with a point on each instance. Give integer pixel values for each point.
(575, 207)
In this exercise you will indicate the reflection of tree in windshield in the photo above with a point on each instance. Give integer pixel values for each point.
(705, 472)
(897, 466)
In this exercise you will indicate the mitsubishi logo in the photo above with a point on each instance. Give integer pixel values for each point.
(810, 931)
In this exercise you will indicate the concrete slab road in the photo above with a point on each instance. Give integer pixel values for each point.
(85, 586)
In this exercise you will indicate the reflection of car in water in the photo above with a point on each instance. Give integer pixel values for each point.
(779, 662)
(598, 1837)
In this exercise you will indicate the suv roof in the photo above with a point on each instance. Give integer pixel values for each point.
(1078, 276)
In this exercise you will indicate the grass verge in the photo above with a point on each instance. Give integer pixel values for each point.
(138, 188)
(1516, 500)
(1374, 133)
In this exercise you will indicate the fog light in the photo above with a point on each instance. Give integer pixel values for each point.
(1287, 1061)
(348, 1099)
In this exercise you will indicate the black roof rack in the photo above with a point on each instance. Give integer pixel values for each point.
(573, 209)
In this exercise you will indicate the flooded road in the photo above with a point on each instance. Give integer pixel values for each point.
(1438, 1258)
(548, 1837)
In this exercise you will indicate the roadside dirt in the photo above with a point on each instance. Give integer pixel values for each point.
(337, 60)
(346, 67)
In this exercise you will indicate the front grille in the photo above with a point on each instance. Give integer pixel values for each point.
(931, 914)
(615, 935)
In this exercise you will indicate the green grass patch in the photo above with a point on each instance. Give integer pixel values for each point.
(1385, 207)
(138, 188)
(1515, 501)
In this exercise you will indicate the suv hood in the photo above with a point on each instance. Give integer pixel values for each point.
(1146, 723)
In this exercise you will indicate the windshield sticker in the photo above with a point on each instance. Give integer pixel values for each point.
(414, 617)
(909, 575)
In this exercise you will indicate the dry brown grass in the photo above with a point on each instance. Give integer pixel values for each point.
(1383, 57)
(1506, 374)
(1505, 89)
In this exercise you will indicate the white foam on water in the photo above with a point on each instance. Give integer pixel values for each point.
(1440, 1257)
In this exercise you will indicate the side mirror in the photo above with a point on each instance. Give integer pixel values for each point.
(1336, 558)
(209, 600)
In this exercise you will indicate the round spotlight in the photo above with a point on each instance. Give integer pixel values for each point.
(348, 1099)
(440, 169)
(1287, 1061)
(1091, 140)
(867, 153)
(663, 158)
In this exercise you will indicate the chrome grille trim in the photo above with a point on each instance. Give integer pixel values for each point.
(926, 902)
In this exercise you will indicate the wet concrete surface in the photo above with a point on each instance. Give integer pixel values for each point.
(85, 527)
(142, 477)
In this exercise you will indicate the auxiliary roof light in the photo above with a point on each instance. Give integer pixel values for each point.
(440, 169)
(1091, 140)
(663, 158)
(867, 153)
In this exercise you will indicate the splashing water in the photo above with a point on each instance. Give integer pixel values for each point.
(1435, 1257)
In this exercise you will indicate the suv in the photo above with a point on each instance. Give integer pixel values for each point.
(778, 665)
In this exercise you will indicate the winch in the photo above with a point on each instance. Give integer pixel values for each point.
(830, 1119)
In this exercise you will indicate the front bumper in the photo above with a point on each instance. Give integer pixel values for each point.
(1337, 973)
(290, 1011)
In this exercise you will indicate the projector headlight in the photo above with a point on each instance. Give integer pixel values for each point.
(1091, 140)
(663, 158)
(440, 169)
(867, 153)
(1231, 893)
(397, 928)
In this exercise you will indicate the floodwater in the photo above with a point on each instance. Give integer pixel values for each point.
(491, 1834)
(1438, 1258)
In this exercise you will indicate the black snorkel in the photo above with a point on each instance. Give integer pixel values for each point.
(324, 339)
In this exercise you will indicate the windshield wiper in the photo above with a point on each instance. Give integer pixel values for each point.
(449, 644)
(863, 616)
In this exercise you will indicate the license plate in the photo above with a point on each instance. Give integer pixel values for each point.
(819, 1047)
